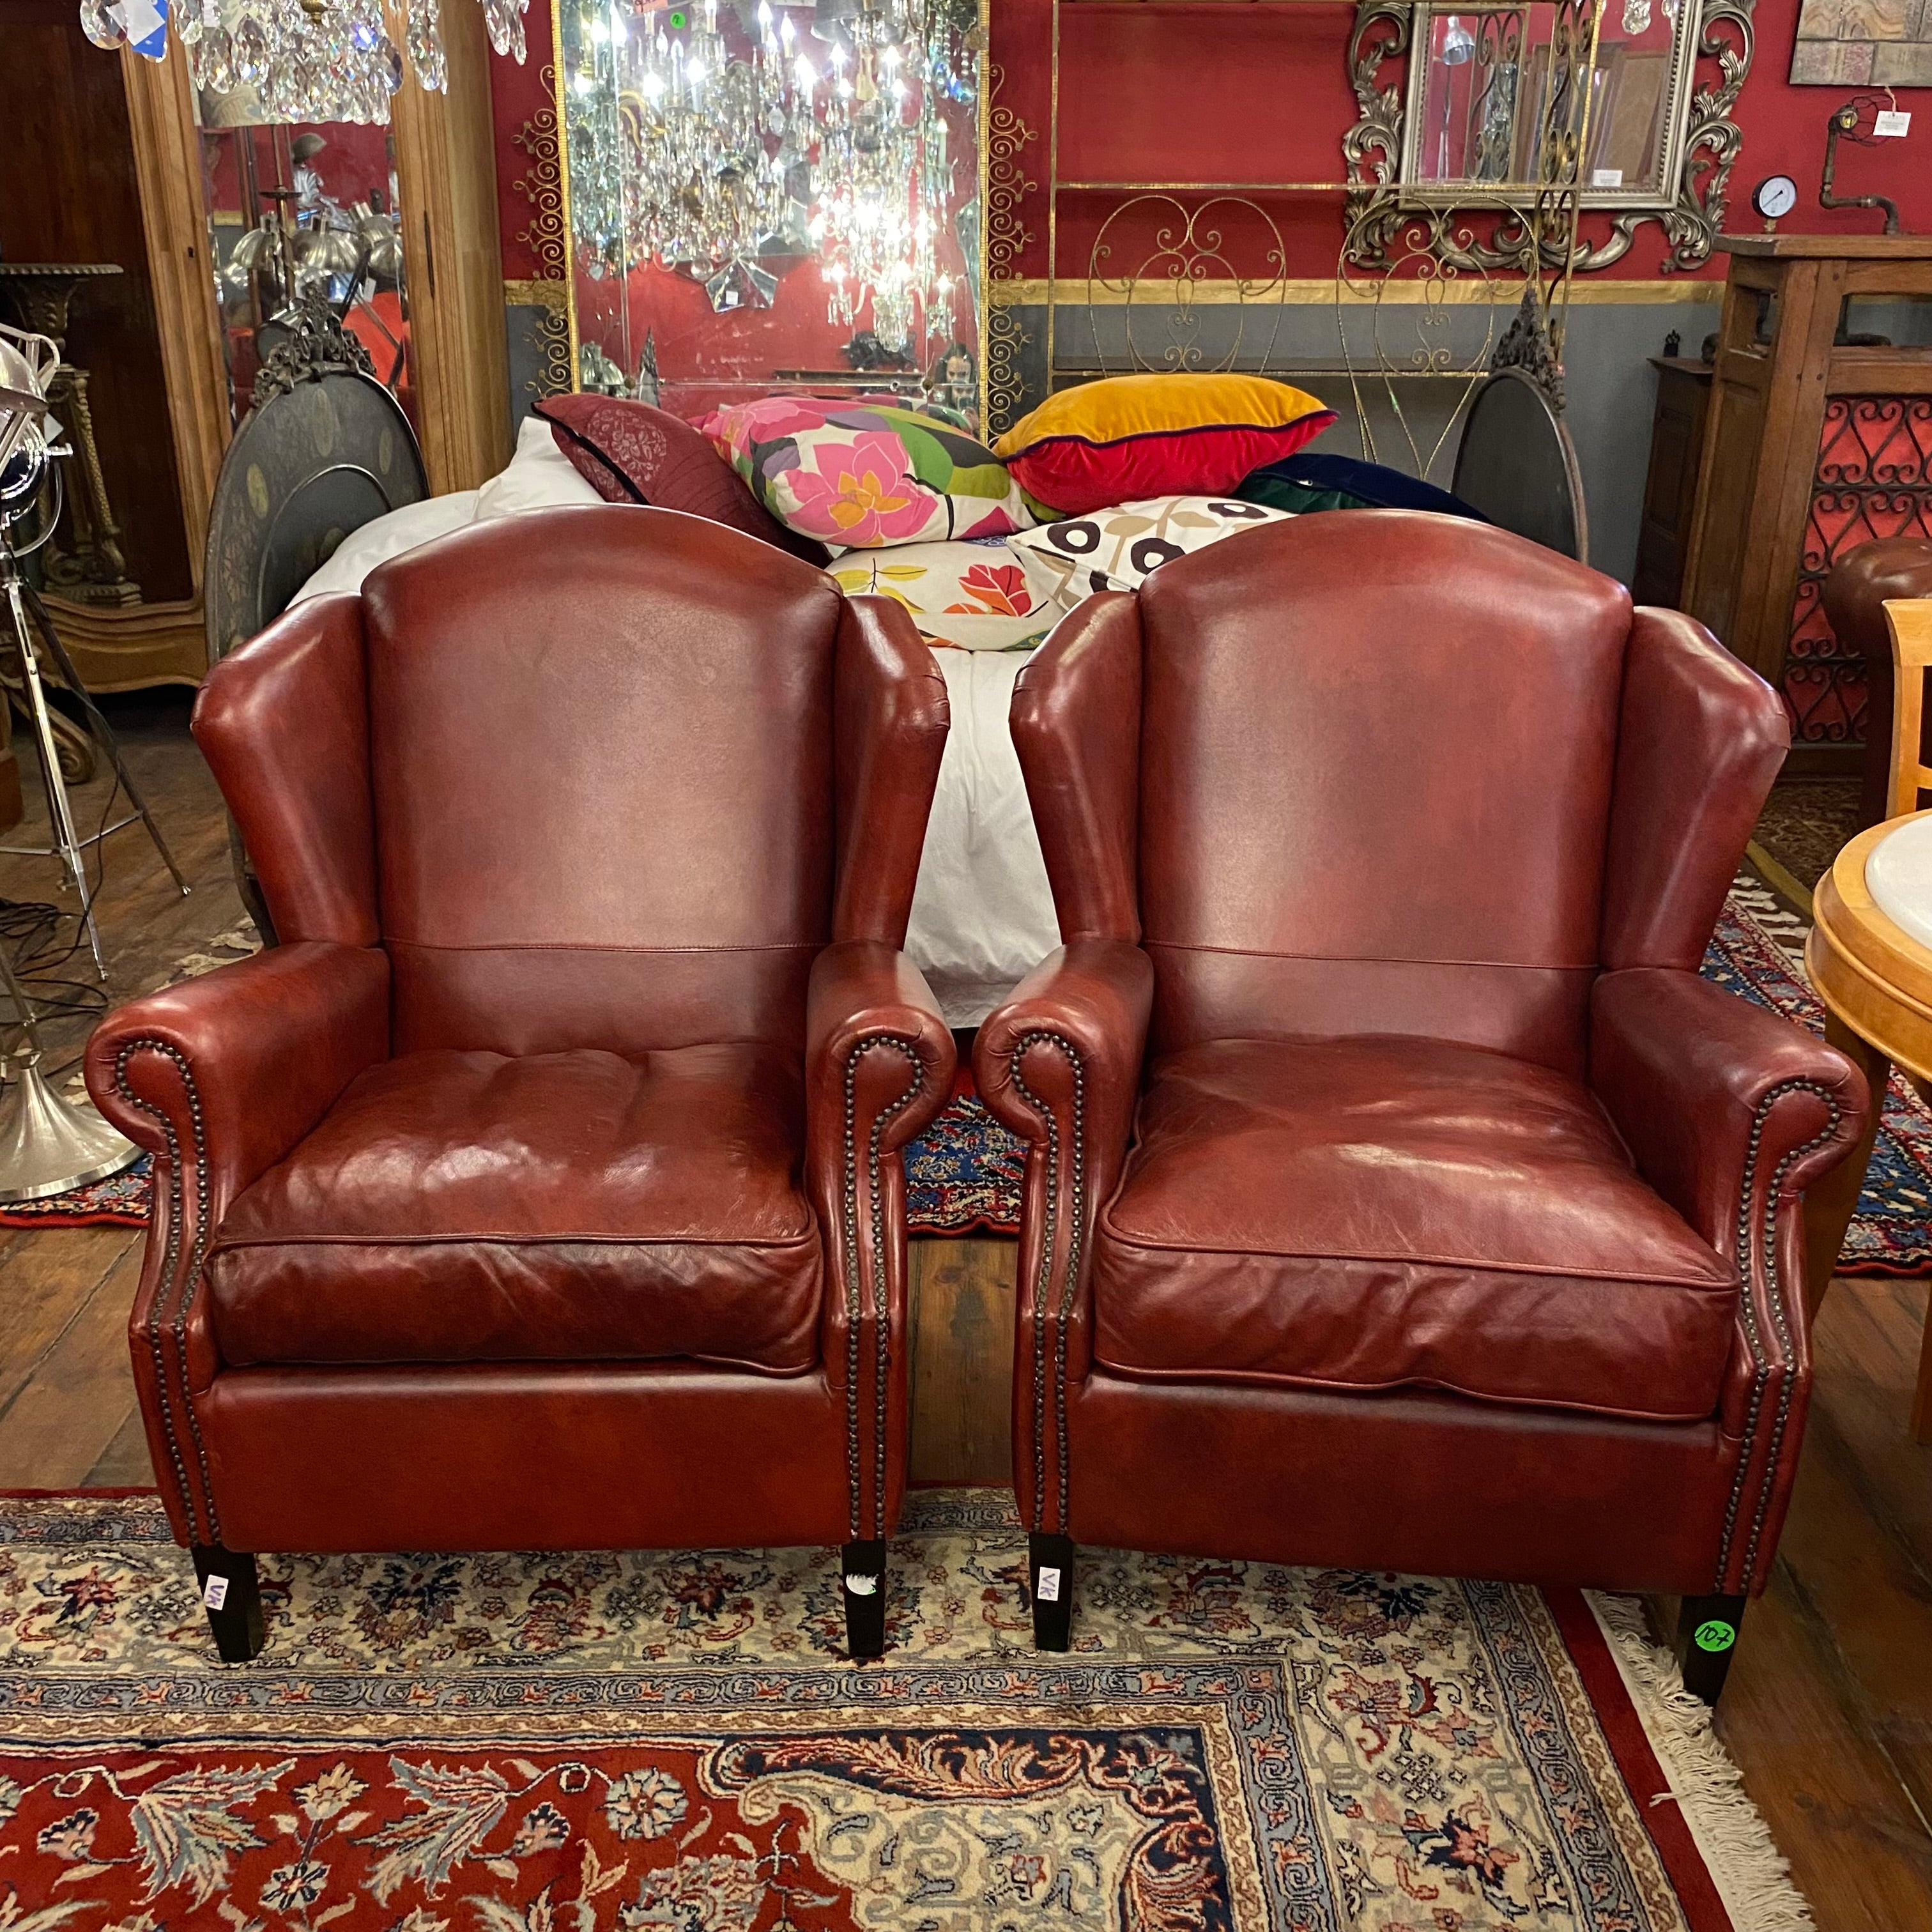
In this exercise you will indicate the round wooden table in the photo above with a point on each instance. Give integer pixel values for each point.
(1875, 978)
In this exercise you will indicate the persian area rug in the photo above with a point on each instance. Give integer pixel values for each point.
(607, 1742)
(965, 1174)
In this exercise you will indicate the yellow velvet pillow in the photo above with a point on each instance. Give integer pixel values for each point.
(1125, 437)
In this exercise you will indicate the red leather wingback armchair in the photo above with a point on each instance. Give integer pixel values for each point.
(1397, 1195)
(538, 1189)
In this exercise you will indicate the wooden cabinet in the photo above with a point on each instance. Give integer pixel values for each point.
(1814, 442)
(103, 160)
(1670, 488)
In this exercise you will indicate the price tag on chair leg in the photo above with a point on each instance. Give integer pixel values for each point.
(1049, 1586)
(214, 1592)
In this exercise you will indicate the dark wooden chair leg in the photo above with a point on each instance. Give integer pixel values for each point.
(1050, 1579)
(862, 1571)
(231, 1594)
(1707, 1637)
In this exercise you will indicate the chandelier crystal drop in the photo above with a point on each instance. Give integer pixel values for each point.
(306, 60)
(748, 131)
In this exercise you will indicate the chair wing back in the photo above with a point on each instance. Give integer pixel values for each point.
(600, 757)
(1377, 755)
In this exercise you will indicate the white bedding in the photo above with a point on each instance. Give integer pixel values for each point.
(539, 477)
(981, 915)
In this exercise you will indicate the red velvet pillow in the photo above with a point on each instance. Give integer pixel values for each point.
(631, 453)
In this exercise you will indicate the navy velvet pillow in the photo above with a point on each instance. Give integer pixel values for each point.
(1315, 480)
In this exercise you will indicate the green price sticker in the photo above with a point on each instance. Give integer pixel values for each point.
(1716, 1636)
(679, 19)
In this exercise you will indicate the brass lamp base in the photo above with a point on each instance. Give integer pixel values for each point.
(48, 1145)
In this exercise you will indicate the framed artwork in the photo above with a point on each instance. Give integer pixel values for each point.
(1863, 44)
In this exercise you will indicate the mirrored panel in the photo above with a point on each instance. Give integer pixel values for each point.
(1493, 81)
(764, 197)
(295, 208)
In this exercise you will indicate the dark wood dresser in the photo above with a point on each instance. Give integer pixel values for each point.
(1670, 489)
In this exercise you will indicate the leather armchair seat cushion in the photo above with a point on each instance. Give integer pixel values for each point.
(463, 1207)
(1374, 1212)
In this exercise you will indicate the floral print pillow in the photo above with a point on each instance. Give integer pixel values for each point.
(1120, 549)
(866, 475)
(963, 596)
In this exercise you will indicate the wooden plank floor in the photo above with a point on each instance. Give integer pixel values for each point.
(1829, 1709)
(66, 1398)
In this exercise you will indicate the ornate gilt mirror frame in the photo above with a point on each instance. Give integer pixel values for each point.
(990, 204)
(1711, 49)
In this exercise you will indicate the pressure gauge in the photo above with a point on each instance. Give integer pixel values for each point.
(1776, 195)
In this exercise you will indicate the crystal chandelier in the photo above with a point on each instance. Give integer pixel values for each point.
(712, 141)
(306, 60)
(885, 178)
(737, 136)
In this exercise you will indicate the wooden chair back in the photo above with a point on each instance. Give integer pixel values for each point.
(1910, 621)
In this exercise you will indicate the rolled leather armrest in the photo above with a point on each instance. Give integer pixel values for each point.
(1060, 1063)
(1731, 1113)
(1717, 1099)
(879, 1064)
(222, 1074)
(1090, 999)
(863, 990)
(219, 1077)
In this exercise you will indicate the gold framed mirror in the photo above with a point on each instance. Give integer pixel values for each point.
(1482, 90)
(761, 196)
(1479, 90)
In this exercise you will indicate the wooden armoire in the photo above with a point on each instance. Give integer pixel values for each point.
(101, 161)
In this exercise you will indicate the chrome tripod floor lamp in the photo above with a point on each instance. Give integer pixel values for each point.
(47, 1145)
(28, 439)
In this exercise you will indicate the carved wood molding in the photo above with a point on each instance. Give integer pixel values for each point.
(446, 170)
(167, 165)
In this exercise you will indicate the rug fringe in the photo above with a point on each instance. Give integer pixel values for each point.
(1752, 1876)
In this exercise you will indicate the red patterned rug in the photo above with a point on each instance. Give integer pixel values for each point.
(609, 1742)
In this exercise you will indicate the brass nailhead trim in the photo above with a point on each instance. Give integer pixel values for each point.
(1045, 1316)
(1766, 1225)
(177, 1281)
(856, 1300)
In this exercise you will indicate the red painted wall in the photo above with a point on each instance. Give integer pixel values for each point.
(1259, 93)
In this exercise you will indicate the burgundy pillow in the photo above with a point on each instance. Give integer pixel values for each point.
(631, 453)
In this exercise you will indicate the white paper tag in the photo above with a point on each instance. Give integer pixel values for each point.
(1892, 122)
(1607, 177)
(146, 23)
(1049, 1591)
(214, 1592)
(862, 1585)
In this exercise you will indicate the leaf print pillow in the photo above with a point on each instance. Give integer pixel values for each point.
(866, 475)
(963, 596)
(1120, 549)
